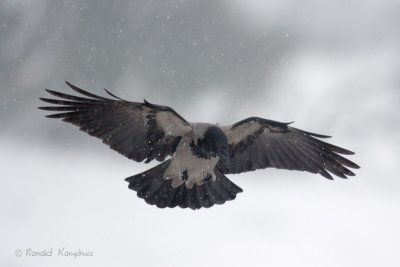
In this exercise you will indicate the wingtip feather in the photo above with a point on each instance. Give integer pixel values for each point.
(55, 116)
(111, 94)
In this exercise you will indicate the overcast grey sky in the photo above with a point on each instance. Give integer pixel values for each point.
(333, 67)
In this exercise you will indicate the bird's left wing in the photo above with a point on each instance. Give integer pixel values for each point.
(256, 143)
(137, 130)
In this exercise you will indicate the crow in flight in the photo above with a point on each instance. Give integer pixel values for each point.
(200, 153)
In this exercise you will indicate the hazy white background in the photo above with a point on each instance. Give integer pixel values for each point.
(332, 66)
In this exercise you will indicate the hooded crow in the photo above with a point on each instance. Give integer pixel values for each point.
(200, 154)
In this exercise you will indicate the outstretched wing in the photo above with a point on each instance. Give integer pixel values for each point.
(137, 130)
(256, 143)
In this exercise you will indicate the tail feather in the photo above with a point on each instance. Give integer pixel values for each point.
(155, 190)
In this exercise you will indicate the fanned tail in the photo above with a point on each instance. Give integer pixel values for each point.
(155, 190)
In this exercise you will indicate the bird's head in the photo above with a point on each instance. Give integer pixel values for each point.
(212, 143)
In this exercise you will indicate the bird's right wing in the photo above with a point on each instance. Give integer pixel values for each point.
(137, 130)
(257, 143)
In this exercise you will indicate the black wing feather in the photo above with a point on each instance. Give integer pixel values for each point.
(256, 143)
(133, 129)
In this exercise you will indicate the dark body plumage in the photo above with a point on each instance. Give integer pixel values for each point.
(201, 153)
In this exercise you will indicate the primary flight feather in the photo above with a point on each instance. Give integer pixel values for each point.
(201, 153)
